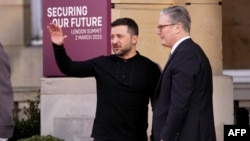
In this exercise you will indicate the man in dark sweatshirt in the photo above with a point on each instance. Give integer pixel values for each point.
(125, 82)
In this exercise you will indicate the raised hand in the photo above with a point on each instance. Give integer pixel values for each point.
(56, 34)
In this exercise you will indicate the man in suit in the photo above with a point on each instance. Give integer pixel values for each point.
(182, 108)
(6, 98)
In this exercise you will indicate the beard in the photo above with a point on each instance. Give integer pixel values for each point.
(123, 51)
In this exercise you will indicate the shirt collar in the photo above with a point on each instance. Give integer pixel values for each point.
(129, 59)
(178, 42)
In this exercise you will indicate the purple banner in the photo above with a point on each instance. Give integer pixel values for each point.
(87, 24)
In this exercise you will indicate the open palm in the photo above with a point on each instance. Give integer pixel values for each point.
(56, 34)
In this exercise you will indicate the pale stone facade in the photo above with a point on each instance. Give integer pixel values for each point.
(68, 107)
(70, 102)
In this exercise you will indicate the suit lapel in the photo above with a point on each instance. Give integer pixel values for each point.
(181, 45)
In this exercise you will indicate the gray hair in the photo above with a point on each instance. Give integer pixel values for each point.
(178, 14)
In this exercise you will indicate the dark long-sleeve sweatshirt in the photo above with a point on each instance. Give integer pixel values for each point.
(124, 88)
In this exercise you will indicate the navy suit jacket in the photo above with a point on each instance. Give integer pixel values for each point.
(182, 107)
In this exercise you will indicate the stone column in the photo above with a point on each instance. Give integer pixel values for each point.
(15, 23)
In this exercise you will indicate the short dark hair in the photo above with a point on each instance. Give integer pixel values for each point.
(132, 25)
